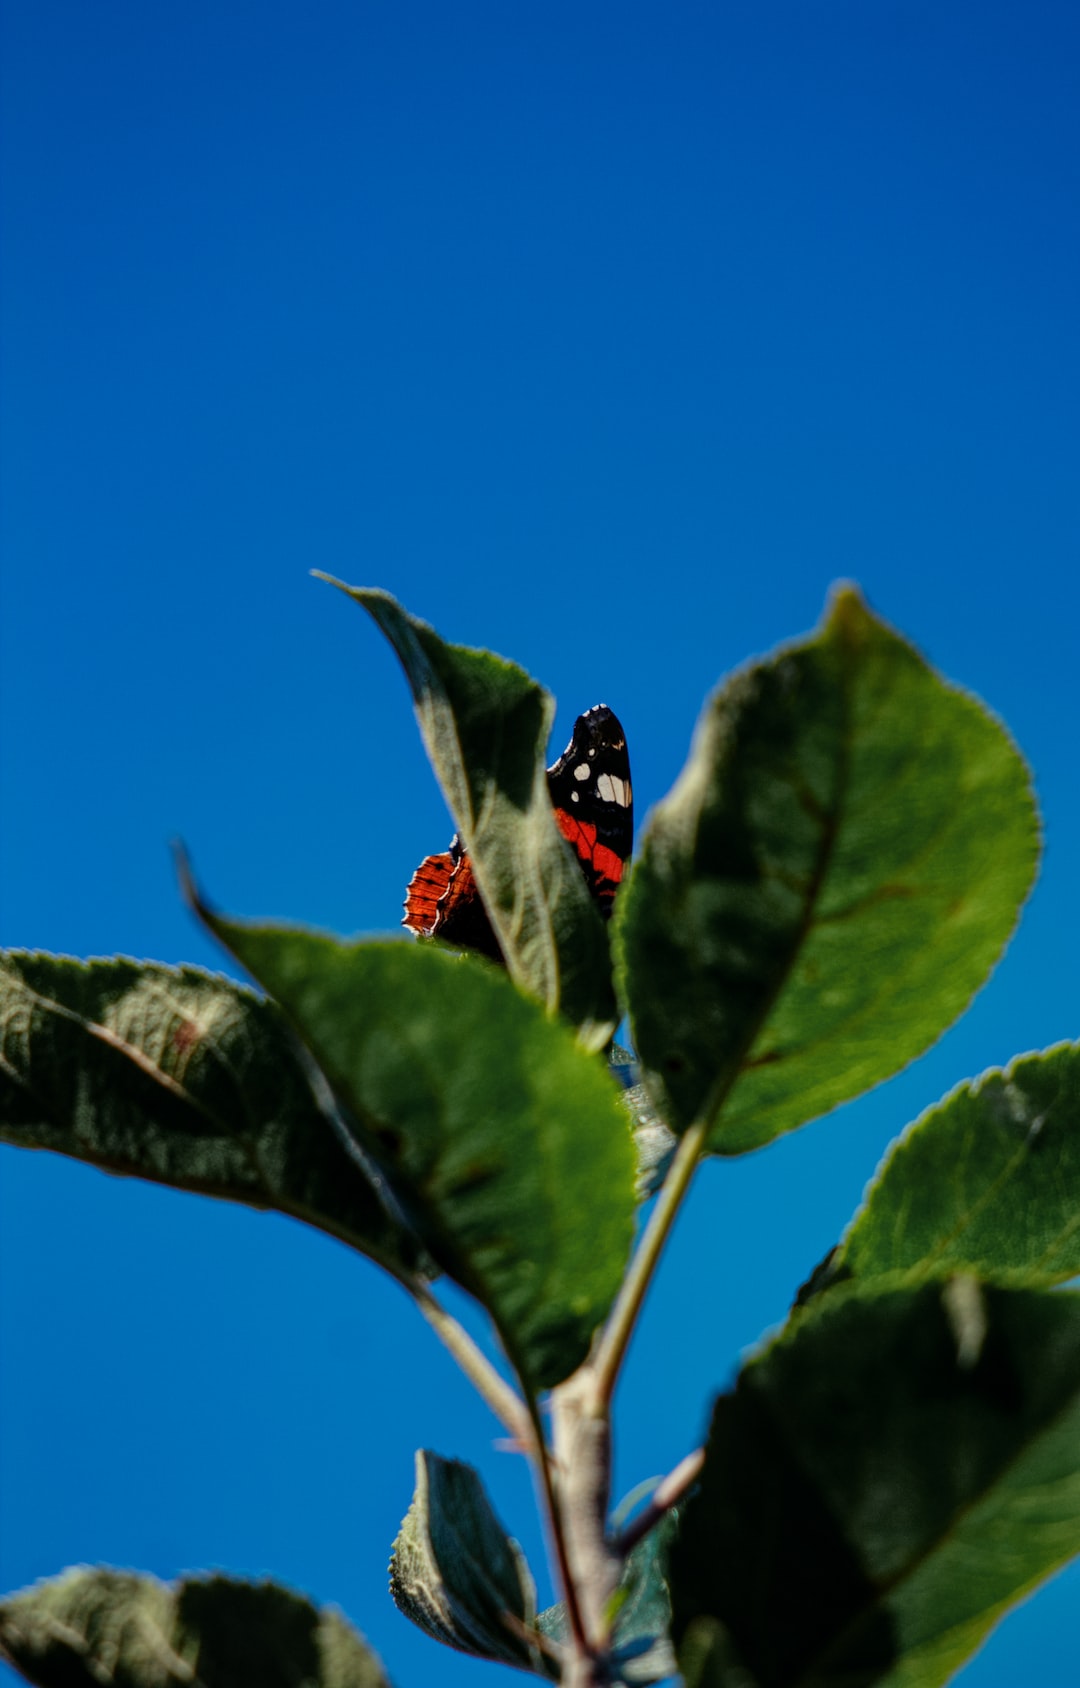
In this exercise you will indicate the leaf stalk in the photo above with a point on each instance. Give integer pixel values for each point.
(505, 1403)
(614, 1340)
(667, 1493)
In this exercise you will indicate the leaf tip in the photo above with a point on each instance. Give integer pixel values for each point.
(332, 580)
(203, 911)
(847, 615)
(184, 873)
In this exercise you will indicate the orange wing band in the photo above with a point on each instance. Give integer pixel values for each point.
(429, 883)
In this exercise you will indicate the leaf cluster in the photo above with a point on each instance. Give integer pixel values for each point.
(833, 876)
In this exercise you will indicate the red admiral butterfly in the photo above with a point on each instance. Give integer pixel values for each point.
(594, 811)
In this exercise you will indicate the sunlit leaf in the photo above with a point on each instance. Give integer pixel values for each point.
(485, 724)
(504, 1136)
(986, 1182)
(831, 879)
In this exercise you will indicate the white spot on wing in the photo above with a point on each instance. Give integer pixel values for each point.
(573, 797)
(612, 789)
(582, 771)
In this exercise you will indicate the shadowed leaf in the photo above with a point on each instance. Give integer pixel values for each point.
(181, 1077)
(456, 1573)
(707, 1660)
(887, 1479)
(89, 1627)
(641, 1643)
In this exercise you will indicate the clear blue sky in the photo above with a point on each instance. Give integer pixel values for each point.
(605, 335)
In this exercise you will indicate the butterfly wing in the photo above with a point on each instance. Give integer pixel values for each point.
(443, 901)
(594, 800)
(593, 803)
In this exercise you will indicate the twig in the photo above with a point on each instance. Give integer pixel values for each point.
(667, 1493)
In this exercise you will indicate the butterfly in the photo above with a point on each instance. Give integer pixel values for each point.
(593, 802)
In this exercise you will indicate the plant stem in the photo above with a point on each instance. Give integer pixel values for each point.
(522, 1419)
(504, 1402)
(616, 1334)
(553, 1509)
(581, 1438)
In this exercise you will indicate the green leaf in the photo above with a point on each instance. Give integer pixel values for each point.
(89, 1627)
(885, 1480)
(456, 1573)
(184, 1078)
(706, 1659)
(831, 879)
(643, 1652)
(641, 1643)
(505, 1138)
(485, 725)
(987, 1182)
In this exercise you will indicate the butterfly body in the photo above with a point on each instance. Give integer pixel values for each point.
(592, 798)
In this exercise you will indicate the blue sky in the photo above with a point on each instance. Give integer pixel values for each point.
(606, 336)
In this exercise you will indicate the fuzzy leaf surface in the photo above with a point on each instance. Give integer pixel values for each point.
(891, 1475)
(94, 1626)
(485, 724)
(503, 1136)
(454, 1572)
(831, 879)
(181, 1077)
